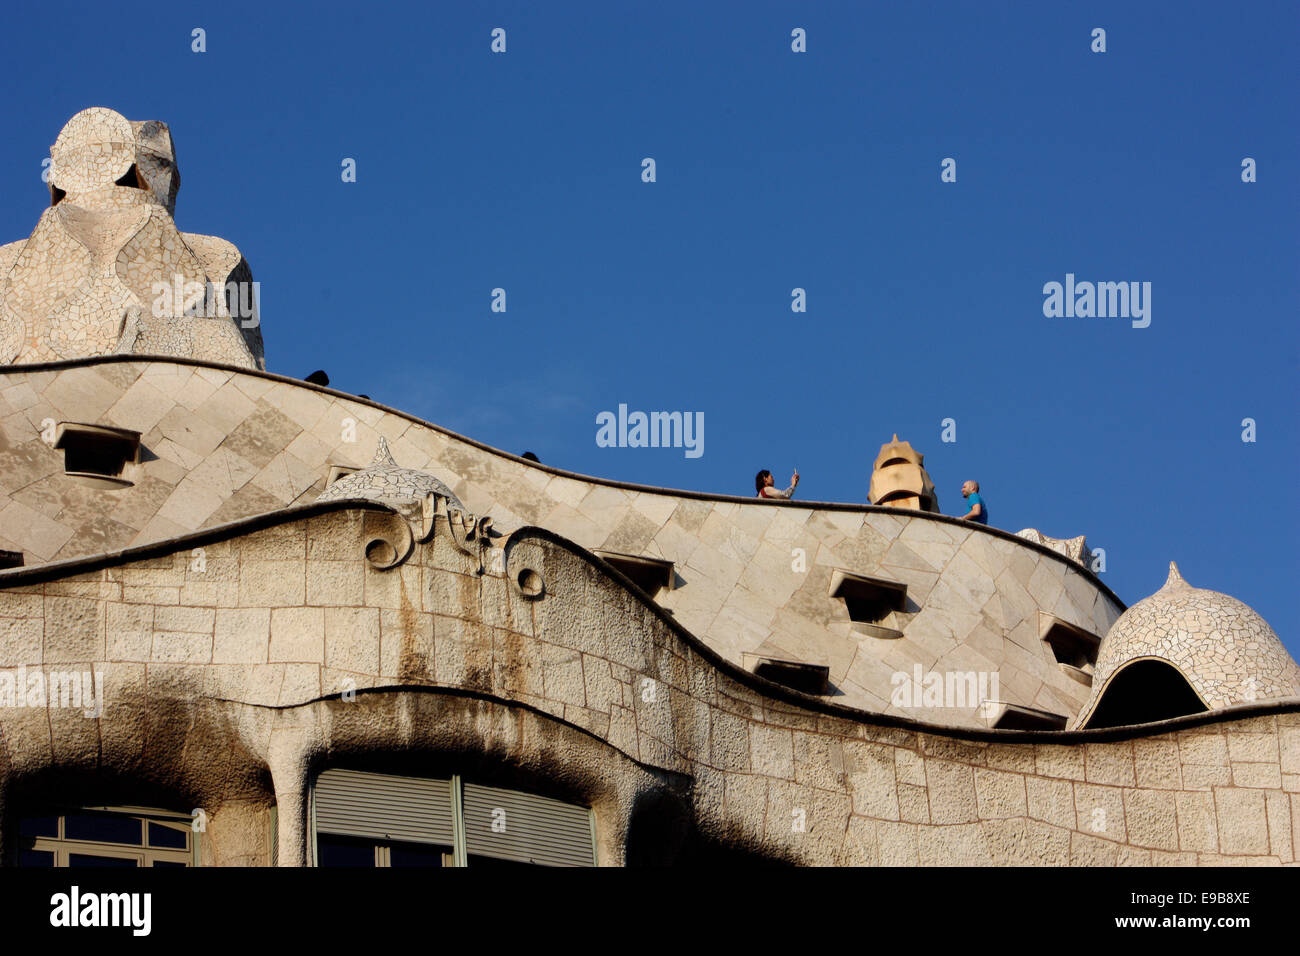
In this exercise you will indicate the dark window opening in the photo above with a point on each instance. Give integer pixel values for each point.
(97, 453)
(418, 854)
(39, 827)
(106, 837)
(334, 850)
(1015, 717)
(1071, 645)
(871, 602)
(649, 574)
(336, 472)
(103, 828)
(168, 838)
(1143, 692)
(809, 678)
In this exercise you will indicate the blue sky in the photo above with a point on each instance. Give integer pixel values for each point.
(775, 170)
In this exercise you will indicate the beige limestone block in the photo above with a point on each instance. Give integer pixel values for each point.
(1252, 748)
(82, 395)
(1156, 764)
(1134, 856)
(242, 636)
(335, 583)
(194, 620)
(301, 683)
(1197, 823)
(745, 798)
(771, 751)
(1092, 851)
(181, 647)
(871, 779)
(140, 408)
(21, 640)
(352, 639)
(272, 583)
(898, 843)
(999, 794)
(1100, 811)
(1281, 838)
(1152, 818)
(150, 595)
(952, 845)
(304, 406)
(729, 747)
(1208, 749)
(297, 635)
(818, 761)
(909, 767)
(1051, 800)
(74, 630)
(32, 531)
(1015, 757)
(1198, 777)
(913, 803)
(952, 792)
(1242, 821)
(562, 678)
(1259, 775)
(1110, 763)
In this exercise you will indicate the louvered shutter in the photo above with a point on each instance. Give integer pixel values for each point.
(382, 807)
(530, 829)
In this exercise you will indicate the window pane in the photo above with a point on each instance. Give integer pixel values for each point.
(85, 859)
(39, 827)
(172, 838)
(416, 854)
(158, 863)
(103, 828)
(36, 858)
(344, 851)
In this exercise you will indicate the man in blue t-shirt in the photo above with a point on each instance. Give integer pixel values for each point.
(970, 490)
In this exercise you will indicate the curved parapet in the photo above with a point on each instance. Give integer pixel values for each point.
(757, 580)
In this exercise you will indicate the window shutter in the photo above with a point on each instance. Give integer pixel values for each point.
(530, 829)
(382, 807)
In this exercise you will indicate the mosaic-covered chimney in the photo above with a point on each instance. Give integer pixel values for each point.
(107, 272)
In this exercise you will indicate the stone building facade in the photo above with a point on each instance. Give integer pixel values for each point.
(322, 629)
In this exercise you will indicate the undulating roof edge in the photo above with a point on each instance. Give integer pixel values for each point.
(39, 574)
(577, 476)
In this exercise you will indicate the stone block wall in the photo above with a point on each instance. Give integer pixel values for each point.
(229, 658)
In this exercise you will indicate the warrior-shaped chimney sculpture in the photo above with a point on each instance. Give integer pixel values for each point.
(106, 270)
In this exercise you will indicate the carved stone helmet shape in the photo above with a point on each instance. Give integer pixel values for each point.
(99, 149)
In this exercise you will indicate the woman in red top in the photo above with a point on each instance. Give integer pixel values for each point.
(766, 485)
